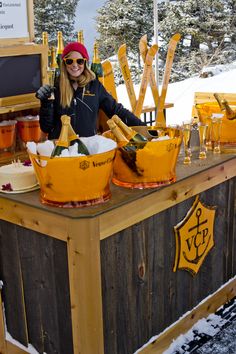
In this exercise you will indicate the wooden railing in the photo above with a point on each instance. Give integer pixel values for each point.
(148, 114)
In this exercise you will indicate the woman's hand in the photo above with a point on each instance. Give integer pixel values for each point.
(44, 92)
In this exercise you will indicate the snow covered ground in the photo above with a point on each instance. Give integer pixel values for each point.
(215, 334)
(182, 93)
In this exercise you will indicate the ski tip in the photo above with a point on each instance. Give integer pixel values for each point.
(122, 49)
(106, 64)
(176, 36)
(154, 49)
(143, 47)
(143, 38)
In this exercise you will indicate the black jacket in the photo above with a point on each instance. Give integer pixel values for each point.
(83, 111)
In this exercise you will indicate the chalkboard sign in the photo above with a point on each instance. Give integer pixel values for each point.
(20, 75)
(23, 69)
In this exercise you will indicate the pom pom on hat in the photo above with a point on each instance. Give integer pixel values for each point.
(75, 47)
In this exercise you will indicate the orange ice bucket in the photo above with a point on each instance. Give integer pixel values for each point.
(29, 130)
(153, 165)
(7, 136)
(228, 127)
(74, 181)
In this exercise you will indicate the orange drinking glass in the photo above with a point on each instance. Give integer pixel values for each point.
(7, 135)
(29, 130)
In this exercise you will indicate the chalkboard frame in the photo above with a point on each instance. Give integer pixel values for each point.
(30, 24)
(22, 50)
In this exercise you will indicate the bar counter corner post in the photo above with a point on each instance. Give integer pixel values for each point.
(83, 245)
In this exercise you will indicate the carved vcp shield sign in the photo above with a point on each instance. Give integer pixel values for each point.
(194, 237)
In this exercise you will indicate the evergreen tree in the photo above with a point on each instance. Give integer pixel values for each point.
(124, 21)
(52, 16)
(207, 28)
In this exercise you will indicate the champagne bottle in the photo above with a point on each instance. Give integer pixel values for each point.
(63, 141)
(81, 37)
(73, 139)
(96, 65)
(131, 134)
(229, 112)
(225, 107)
(219, 100)
(54, 66)
(121, 139)
(45, 42)
(128, 150)
(60, 47)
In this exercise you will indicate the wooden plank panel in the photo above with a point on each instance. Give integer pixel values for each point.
(45, 277)
(230, 252)
(62, 288)
(11, 274)
(141, 294)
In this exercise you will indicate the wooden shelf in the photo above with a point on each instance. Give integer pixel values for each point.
(19, 107)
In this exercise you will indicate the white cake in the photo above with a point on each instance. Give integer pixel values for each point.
(17, 176)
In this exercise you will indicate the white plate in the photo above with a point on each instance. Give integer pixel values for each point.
(33, 188)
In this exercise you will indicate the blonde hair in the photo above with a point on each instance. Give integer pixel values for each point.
(66, 90)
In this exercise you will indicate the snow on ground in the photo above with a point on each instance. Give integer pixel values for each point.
(181, 93)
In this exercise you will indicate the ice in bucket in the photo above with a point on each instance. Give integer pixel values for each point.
(75, 181)
(153, 164)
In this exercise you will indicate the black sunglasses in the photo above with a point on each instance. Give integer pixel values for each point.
(79, 61)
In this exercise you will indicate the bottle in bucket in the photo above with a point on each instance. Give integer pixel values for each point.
(74, 139)
(123, 142)
(63, 141)
(127, 149)
(131, 134)
(225, 107)
(121, 139)
(219, 100)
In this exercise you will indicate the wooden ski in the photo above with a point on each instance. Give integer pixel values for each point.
(109, 81)
(145, 78)
(143, 48)
(169, 61)
(124, 66)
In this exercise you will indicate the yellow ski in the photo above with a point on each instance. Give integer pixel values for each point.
(124, 66)
(143, 48)
(169, 61)
(145, 78)
(109, 81)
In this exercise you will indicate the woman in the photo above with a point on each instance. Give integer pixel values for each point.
(79, 95)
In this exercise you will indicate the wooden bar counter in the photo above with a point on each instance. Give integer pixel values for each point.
(100, 279)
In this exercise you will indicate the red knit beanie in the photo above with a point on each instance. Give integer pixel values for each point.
(75, 47)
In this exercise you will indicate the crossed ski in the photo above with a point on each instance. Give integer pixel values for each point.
(136, 105)
(169, 61)
(124, 66)
(148, 76)
(143, 48)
